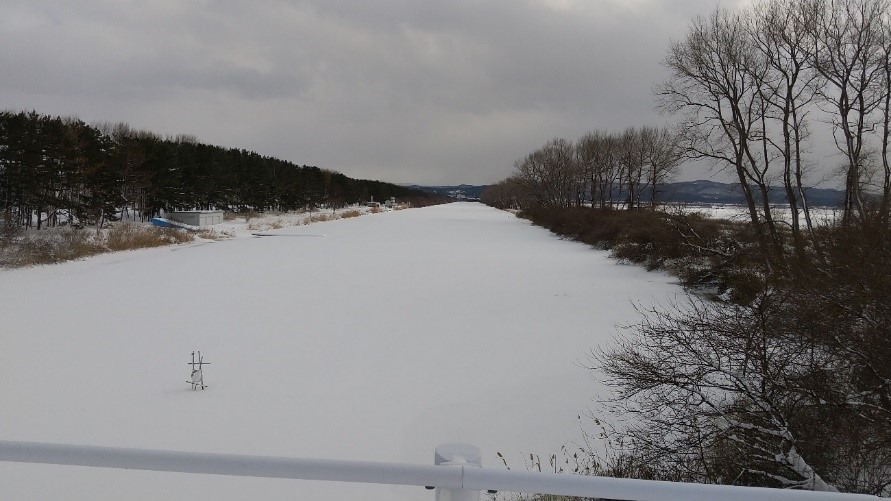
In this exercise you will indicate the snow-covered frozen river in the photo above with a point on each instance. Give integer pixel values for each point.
(373, 338)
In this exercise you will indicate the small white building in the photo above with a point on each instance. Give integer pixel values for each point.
(197, 217)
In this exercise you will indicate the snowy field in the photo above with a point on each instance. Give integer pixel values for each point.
(373, 338)
(780, 213)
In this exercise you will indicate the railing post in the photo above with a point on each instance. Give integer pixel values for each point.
(457, 456)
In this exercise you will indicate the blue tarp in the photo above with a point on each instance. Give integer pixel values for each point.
(167, 223)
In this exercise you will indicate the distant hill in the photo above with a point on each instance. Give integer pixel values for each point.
(461, 191)
(711, 192)
(690, 192)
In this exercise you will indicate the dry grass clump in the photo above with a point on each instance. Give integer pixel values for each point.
(375, 210)
(29, 252)
(209, 234)
(18, 249)
(275, 224)
(130, 236)
(317, 218)
(47, 247)
(349, 214)
(8, 232)
(8, 236)
(76, 244)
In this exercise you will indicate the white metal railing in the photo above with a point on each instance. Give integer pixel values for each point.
(457, 474)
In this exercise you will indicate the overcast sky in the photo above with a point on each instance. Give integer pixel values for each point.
(408, 91)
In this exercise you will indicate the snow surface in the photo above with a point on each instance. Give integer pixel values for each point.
(373, 338)
(740, 213)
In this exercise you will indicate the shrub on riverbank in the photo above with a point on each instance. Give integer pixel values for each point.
(702, 252)
(782, 382)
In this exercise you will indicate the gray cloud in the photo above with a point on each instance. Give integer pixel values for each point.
(400, 90)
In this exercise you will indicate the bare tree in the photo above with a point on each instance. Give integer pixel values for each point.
(885, 63)
(706, 387)
(632, 157)
(598, 156)
(846, 49)
(506, 194)
(550, 173)
(791, 388)
(663, 155)
(715, 85)
(778, 30)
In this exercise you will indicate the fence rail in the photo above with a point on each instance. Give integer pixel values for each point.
(454, 473)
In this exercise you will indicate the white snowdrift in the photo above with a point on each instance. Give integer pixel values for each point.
(395, 333)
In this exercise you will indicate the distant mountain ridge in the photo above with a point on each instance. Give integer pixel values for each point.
(690, 192)
(460, 191)
(712, 192)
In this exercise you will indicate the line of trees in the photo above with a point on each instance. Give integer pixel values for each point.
(56, 170)
(601, 169)
(788, 385)
(750, 86)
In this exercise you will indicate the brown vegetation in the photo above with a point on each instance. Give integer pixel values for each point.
(18, 249)
(705, 253)
(785, 381)
(132, 236)
(54, 247)
(318, 218)
(350, 213)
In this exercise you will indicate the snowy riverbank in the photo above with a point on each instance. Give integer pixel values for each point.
(393, 333)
